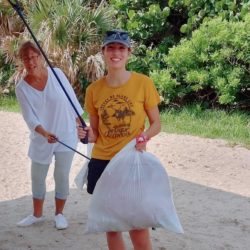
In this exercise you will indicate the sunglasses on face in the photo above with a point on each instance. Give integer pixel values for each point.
(113, 35)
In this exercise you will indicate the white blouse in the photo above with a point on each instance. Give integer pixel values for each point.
(52, 110)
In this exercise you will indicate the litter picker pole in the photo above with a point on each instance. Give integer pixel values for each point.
(73, 149)
(18, 9)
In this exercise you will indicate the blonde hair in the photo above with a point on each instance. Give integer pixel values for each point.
(28, 45)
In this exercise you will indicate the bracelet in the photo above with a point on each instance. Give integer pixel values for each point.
(142, 138)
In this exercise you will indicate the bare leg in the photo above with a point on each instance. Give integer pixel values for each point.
(38, 207)
(140, 239)
(115, 241)
(59, 206)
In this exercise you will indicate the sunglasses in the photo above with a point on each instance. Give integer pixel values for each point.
(116, 35)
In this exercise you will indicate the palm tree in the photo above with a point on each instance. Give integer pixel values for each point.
(10, 30)
(69, 32)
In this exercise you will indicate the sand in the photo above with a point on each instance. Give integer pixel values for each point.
(210, 181)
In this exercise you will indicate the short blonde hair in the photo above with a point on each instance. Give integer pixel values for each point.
(28, 45)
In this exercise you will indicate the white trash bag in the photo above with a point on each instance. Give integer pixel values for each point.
(81, 177)
(133, 193)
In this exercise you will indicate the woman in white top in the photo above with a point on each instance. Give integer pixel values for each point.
(49, 116)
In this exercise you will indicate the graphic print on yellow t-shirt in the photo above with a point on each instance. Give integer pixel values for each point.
(115, 113)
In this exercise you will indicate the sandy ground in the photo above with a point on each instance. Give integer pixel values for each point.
(211, 188)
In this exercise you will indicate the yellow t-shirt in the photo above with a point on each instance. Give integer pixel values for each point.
(121, 112)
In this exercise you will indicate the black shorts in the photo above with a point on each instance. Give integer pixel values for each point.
(95, 170)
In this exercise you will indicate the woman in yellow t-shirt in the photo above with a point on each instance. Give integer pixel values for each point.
(118, 105)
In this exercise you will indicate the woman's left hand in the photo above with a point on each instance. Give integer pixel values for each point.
(141, 142)
(82, 132)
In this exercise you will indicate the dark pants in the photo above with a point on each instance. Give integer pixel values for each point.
(96, 168)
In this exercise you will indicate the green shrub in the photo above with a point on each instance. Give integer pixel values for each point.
(145, 59)
(193, 13)
(165, 84)
(214, 62)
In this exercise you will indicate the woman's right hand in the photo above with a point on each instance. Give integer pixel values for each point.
(50, 137)
(87, 131)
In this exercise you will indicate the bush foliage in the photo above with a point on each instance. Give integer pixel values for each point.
(214, 63)
(193, 50)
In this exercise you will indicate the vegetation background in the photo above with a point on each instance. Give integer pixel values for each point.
(197, 53)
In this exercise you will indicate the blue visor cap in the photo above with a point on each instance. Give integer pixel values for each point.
(117, 36)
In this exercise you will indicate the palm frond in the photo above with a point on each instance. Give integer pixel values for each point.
(69, 31)
(94, 67)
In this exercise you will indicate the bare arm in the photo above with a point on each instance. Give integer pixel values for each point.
(49, 136)
(94, 120)
(154, 121)
(78, 122)
(154, 128)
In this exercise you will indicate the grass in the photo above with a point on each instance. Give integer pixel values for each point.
(232, 126)
(9, 103)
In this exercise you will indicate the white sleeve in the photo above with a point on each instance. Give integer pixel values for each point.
(70, 91)
(29, 116)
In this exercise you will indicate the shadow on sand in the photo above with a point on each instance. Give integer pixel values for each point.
(212, 220)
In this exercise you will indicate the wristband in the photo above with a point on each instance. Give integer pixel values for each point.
(142, 139)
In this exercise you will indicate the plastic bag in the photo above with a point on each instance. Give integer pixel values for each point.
(81, 177)
(133, 193)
